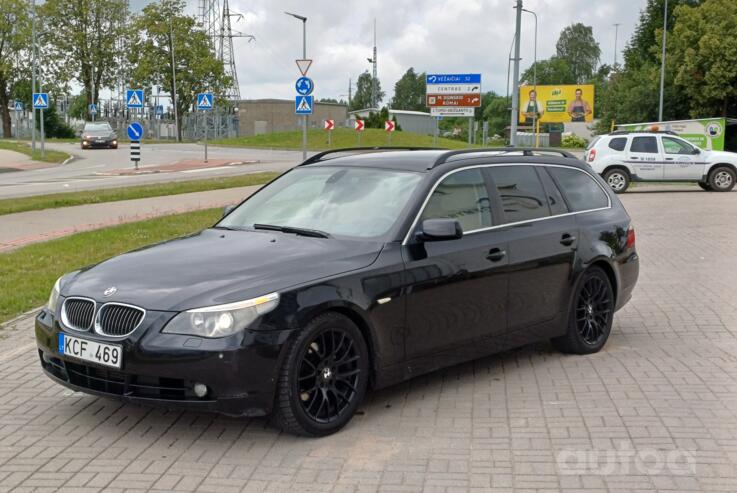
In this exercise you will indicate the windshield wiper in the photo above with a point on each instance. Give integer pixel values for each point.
(314, 233)
(229, 228)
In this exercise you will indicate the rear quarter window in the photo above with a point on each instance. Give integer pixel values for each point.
(618, 143)
(580, 189)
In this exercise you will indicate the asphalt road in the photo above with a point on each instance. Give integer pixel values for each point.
(101, 168)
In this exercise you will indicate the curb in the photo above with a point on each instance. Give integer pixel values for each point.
(68, 160)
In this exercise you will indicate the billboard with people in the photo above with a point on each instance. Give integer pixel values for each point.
(556, 103)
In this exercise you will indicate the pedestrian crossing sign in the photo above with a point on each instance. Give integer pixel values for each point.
(134, 98)
(204, 101)
(40, 100)
(18, 106)
(303, 105)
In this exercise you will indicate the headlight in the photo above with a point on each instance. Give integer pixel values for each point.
(54, 296)
(221, 320)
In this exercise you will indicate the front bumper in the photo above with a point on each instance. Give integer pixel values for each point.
(240, 371)
(92, 143)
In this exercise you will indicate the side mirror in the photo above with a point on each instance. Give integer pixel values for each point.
(696, 150)
(228, 209)
(440, 230)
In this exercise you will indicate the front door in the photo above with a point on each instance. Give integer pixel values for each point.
(456, 290)
(680, 161)
(645, 158)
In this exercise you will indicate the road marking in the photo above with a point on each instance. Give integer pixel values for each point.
(205, 169)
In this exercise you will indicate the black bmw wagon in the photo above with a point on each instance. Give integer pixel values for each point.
(357, 269)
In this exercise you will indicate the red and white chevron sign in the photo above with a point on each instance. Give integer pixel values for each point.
(390, 126)
(358, 125)
(329, 124)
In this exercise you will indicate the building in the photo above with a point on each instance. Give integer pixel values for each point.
(262, 116)
(410, 121)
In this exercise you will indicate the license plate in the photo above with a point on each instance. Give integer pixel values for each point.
(87, 350)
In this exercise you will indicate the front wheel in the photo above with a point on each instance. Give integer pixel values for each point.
(618, 179)
(590, 315)
(324, 377)
(722, 179)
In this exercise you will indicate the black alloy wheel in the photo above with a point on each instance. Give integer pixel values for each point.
(591, 314)
(324, 378)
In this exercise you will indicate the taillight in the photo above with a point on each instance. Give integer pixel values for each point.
(592, 155)
(630, 238)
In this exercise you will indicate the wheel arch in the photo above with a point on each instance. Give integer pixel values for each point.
(623, 167)
(606, 266)
(719, 165)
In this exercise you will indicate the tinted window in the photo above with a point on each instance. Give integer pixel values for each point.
(555, 199)
(521, 193)
(581, 191)
(644, 144)
(618, 143)
(676, 146)
(461, 196)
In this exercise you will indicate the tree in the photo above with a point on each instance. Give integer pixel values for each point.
(362, 98)
(14, 39)
(577, 46)
(555, 70)
(704, 56)
(409, 92)
(495, 110)
(197, 69)
(81, 42)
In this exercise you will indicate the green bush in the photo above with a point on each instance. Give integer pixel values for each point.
(53, 125)
(573, 141)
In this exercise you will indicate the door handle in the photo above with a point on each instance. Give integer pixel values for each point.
(496, 254)
(567, 239)
(634, 157)
(669, 159)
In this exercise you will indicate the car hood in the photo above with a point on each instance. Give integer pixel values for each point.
(218, 266)
(722, 156)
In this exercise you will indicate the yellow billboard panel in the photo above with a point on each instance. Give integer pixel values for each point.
(556, 104)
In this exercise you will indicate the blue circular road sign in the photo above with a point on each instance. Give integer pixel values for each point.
(135, 131)
(304, 86)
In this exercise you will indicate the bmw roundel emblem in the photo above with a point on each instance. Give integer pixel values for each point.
(110, 291)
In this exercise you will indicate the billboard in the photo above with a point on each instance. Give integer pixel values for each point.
(556, 104)
(707, 133)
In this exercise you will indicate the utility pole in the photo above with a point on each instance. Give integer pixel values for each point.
(173, 77)
(662, 62)
(349, 93)
(374, 95)
(616, 34)
(515, 88)
(33, 75)
(304, 57)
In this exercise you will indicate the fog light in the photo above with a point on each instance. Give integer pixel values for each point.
(200, 390)
(46, 358)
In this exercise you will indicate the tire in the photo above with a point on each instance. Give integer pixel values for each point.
(618, 179)
(722, 179)
(590, 315)
(705, 186)
(315, 396)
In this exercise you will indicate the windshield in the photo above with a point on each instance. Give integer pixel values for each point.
(338, 201)
(97, 127)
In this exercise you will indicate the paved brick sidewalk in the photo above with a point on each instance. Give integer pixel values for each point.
(23, 228)
(655, 411)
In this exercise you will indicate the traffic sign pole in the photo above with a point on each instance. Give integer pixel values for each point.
(205, 137)
(205, 102)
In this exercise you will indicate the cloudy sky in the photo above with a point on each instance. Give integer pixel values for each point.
(430, 35)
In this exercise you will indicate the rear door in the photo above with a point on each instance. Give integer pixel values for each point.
(542, 241)
(645, 157)
(680, 161)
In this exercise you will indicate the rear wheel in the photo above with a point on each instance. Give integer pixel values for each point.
(590, 315)
(722, 179)
(324, 377)
(704, 186)
(618, 179)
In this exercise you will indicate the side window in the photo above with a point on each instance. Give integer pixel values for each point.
(461, 196)
(555, 199)
(582, 192)
(675, 146)
(618, 143)
(521, 193)
(644, 144)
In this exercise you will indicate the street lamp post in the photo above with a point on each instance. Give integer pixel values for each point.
(662, 62)
(304, 57)
(534, 83)
(515, 88)
(33, 75)
(173, 78)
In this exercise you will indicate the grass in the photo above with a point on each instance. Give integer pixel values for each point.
(53, 201)
(51, 156)
(342, 137)
(29, 273)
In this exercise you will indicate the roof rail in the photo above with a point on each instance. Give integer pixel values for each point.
(320, 155)
(625, 132)
(526, 151)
